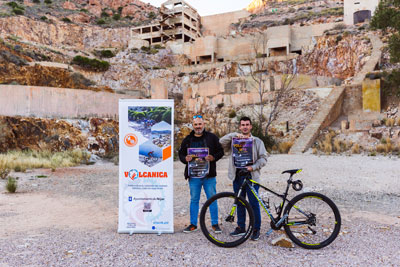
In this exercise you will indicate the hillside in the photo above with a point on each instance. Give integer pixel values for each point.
(105, 13)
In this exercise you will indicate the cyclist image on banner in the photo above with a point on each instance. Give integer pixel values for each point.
(242, 152)
(199, 166)
(154, 124)
(150, 154)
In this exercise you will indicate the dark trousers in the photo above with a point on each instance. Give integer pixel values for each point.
(241, 213)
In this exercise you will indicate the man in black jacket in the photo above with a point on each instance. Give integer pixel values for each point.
(200, 138)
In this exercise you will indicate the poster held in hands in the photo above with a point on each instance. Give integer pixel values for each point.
(198, 167)
(242, 149)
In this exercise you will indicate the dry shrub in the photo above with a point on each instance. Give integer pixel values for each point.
(398, 121)
(380, 148)
(284, 147)
(328, 149)
(355, 149)
(11, 185)
(314, 150)
(23, 160)
(337, 145)
(390, 122)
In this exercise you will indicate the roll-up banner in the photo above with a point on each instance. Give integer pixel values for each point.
(146, 166)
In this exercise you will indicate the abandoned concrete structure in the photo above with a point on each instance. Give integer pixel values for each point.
(356, 11)
(276, 41)
(179, 22)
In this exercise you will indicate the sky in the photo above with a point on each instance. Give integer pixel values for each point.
(209, 7)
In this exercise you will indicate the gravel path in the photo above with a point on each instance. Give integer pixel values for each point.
(69, 218)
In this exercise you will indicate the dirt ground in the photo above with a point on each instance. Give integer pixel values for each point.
(83, 200)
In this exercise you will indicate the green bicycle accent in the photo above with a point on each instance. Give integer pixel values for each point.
(216, 239)
(311, 220)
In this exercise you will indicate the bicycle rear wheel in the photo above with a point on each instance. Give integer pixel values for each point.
(313, 220)
(227, 220)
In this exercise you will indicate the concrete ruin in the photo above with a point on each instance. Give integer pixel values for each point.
(179, 22)
(357, 11)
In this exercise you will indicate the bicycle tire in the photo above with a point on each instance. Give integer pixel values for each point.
(317, 231)
(225, 201)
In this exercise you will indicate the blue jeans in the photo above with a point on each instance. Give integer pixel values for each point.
(241, 211)
(209, 185)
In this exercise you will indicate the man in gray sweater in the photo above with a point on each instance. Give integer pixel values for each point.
(259, 159)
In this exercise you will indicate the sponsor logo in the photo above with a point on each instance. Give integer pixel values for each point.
(129, 198)
(147, 207)
(130, 140)
(134, 174)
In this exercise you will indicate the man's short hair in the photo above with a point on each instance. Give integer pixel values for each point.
(245, 119)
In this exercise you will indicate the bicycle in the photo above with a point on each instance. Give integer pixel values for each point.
(311, 220)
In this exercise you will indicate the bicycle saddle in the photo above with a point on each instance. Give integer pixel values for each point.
(292, 171)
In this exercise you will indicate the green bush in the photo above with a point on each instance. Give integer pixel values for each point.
(106, 53)
(116, 17)
(104, 14)
(43, 18)
(232, 114)
(91, 64)
(158, 46)
(48, 2)
(67, 20)
(14, 5)
(259, 132)
(151, 15)
(84, 10)
(17, 11)
(36, 1)
(11, 185)
(101, 22)
(120, 9)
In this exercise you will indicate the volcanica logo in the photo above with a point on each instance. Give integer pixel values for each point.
(134, 174)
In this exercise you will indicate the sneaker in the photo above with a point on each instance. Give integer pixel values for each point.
(216, 229)
(256, 235)
(238, 232)
(190, 228)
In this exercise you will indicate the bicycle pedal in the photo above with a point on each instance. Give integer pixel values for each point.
(269, 232)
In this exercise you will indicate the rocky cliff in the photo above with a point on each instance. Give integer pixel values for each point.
(61, 34)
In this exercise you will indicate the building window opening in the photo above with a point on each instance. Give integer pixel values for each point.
(278, 51)
(361, 16)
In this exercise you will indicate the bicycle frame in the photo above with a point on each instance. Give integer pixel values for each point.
(278, 221)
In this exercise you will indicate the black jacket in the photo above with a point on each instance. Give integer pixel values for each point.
(215, 149)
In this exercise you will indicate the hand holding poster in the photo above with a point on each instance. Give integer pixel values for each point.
(198, 167)
(242, 149)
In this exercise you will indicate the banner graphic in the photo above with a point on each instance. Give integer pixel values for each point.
(146, 166)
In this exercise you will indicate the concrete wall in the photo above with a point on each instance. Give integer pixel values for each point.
(18, 100)
(218, 25)
(352, 6)
(242, 47)
(352, 102)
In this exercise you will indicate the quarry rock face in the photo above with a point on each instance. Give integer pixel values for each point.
(98, 136)
(64, 34)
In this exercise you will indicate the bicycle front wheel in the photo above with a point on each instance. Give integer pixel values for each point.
(313, 220)
(224, 210)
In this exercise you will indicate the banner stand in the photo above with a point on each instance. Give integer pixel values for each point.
(146, 140)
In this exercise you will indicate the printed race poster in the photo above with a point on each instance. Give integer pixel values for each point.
(199, 166)
(145, 166)
(242, 152)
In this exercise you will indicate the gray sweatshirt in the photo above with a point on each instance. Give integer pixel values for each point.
(259, 156)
